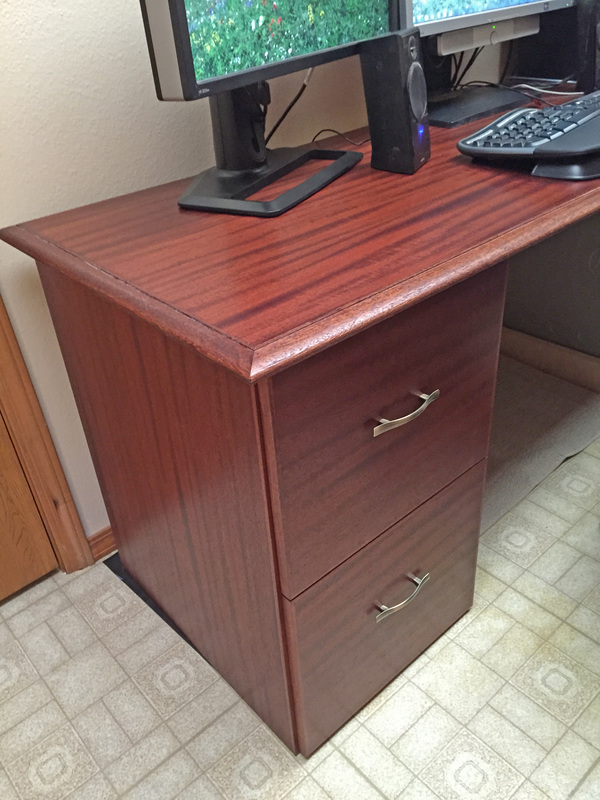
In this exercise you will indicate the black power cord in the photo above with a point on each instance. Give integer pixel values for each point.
(343, 135)
(290, 105)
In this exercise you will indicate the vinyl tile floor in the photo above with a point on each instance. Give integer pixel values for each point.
(100, 698)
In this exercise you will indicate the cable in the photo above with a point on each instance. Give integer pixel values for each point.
(476, 53)
(456, 65)
(546, 91)
(291, 104)
(343, 135)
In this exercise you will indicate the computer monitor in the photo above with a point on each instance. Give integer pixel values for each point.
(226, 50)
(460, 25)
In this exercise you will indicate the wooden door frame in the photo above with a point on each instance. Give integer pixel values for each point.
(35, 449)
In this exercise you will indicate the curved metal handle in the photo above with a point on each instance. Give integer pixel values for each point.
(390, 424)
(387, 611)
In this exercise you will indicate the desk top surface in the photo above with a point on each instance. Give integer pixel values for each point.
(259, 294)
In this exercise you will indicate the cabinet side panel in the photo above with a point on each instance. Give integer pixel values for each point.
(176, 442)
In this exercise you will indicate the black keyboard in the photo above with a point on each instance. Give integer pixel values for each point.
(560, 134)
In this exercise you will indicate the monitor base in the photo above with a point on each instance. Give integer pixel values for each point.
(226, 191)
(469, 103)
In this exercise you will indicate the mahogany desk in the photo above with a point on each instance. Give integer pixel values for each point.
(230, 373)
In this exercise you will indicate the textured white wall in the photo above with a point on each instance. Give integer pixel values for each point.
(80, 122)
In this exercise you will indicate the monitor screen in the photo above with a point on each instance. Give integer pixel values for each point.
(227, 36)
(201, 47)
(459, 26)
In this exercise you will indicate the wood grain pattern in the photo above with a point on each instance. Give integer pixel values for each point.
(26, 551)
(38, 457)
(175, 442)
(342, 657)
(257, 295)
(337, 486)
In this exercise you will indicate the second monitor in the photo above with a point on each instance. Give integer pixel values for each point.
(454, 26)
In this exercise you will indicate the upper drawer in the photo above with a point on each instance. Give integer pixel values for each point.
(336, 485)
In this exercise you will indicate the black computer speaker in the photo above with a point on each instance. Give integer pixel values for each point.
(396, 98)
(588, 45)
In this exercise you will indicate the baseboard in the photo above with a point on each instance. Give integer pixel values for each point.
(570, 365)
(102, 543)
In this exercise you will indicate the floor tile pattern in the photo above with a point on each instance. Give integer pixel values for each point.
(100, 698)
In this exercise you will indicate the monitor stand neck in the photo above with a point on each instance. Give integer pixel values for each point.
(244, 165)
(238, 124)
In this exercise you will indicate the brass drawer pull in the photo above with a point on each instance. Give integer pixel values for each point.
(386, 611)
(390, 424)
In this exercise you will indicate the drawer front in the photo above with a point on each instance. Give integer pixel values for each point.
(341, 656)
(338, 486)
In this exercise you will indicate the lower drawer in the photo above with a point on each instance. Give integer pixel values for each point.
(341, 656)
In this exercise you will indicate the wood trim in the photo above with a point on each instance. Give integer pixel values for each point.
(102, 543)
(34, 446)
(562, 362)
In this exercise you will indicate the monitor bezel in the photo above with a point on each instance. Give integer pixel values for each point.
(193, 89)
(434, 27)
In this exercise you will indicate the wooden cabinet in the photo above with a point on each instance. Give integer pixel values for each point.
(242, 508)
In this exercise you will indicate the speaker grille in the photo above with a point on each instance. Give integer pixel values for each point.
(417, 90)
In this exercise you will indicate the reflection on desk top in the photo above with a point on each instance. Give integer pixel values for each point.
(259, 294)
